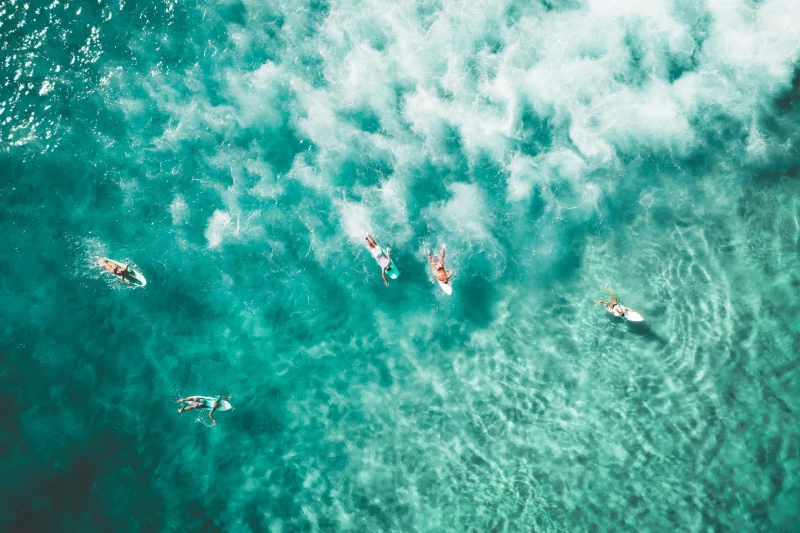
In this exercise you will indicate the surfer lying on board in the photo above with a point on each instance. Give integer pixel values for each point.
(439, 271)
(203, 402)
(123, 273)
(615, 308)
(385, 261)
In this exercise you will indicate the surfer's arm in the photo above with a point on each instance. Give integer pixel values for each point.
(443, 256)
(383, 275)
(604, 303)
(211, 415)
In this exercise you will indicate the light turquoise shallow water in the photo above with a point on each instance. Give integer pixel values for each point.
(235, 152)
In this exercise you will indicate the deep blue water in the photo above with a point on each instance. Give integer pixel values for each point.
(236, 152)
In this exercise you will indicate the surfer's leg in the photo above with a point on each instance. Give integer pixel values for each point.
(613, 298)
(188, 408)
(604, 303)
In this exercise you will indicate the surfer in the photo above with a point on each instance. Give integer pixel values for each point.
(203, 402)
(615, 308)
(385, 261)
(439, 271)
(123, 273)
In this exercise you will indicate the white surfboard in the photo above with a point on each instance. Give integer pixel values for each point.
(627, 314)
(632, 315)
(447, 288)
(134, 278)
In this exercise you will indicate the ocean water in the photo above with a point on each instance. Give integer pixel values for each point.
(235, 152)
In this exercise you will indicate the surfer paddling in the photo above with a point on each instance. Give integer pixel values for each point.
(385, 261)
(204, 402)
(613, 307)
(122, 272)
(617, 309)
(437, 265)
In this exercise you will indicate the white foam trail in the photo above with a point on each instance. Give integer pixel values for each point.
(356, 219)
(179, 210)
(219, 226)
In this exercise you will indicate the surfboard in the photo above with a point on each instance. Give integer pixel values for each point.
(627, 314)
(632, 315)
(447, 288)
(392, 272)
(209, 400)
(135, 278)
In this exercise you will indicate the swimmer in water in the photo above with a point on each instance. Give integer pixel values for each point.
(122, 272)
(385, 261)
(203, 402)
(437, 266)
(615, 308)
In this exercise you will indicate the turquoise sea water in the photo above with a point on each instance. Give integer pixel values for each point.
(235, 152)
